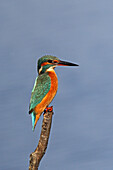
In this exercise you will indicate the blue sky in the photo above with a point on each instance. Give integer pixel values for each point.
(82, 129)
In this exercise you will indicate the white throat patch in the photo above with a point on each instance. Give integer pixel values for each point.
(50, 68)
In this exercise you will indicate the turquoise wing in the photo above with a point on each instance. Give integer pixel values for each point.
(41, 88)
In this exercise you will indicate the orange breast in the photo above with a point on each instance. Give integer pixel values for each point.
(50, 95)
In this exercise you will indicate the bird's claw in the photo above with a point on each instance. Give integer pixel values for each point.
(48, 109)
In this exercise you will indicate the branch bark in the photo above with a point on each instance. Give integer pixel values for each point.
(36, 156)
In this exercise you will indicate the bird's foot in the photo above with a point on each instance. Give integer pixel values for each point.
(48, 109)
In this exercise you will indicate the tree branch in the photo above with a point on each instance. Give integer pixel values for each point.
(36, 156)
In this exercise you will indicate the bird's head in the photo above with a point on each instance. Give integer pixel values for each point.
(50, 62)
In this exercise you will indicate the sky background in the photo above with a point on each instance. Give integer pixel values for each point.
(82, 129)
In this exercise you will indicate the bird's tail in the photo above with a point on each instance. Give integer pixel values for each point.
(35, 118)
(33, 115)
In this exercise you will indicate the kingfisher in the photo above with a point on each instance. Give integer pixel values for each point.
(45, 87)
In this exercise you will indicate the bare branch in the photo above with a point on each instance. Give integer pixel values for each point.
(39, 152)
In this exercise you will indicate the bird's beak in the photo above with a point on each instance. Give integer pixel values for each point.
(65, 63)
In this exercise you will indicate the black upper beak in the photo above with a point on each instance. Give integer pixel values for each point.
(65, 63)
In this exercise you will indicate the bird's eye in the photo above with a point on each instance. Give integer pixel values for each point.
(50, 61)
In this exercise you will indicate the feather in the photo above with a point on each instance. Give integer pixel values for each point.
(33, 115)
(40, 89)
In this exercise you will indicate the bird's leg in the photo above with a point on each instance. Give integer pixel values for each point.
(48, 109)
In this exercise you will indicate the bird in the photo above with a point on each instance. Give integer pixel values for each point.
(45, 86)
